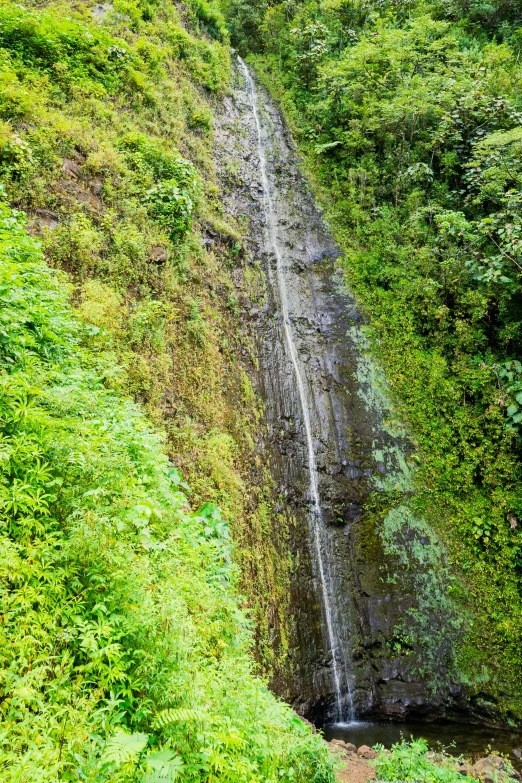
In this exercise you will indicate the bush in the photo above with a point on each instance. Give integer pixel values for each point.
(171, 207)
(211, 17)
(408, 762)
(176, 190)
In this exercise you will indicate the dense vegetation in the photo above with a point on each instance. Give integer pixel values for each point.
(124, 653)
(106, 141)
(125, 650)
(410, 762)
(410, 118)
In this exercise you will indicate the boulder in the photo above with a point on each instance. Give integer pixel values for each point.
(47, 218)
(488, 769)
(158, 254)
(348, 747)
(71, 169)
(336, 746)
(102, 10)
(96, 187)
(366, 752)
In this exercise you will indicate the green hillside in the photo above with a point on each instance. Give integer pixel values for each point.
(125, 648)
(145, 565)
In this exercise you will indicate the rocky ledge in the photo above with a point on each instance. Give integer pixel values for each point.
(355, 765)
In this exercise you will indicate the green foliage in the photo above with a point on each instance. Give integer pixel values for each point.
(163, 767)
(496, 16)
(510, 376)
(408, 761)
(171, 207)
(310, 46)
(122, 748)
(163, 162)
(211, 18)
(63, 48)
(72, 56)
(124, 653)
(184, 716)
(15, 153)
(245, 20)
(208, 63)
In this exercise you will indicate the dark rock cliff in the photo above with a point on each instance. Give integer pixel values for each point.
(358, 448)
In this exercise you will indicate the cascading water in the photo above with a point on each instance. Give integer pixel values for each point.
(340, 667)
(328, 433)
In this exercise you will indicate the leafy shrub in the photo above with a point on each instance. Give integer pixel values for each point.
(176, 189)
(16, 156)
(170, 206)
(510, 376)
(201, 118)
(407, 761)
(74, 244)
(146, 324)
(163, 161)
(196, 327)
(207, 62)
(211, 17)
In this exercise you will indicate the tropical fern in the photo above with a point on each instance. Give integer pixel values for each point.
(182, 715)
(122, 748)
(164, 766)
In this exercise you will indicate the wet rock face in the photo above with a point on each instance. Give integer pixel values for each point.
(354, 448)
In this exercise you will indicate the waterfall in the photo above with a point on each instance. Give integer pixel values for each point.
(317, 526)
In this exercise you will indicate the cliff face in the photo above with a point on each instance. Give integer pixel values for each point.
(359, 449)
(160, 228)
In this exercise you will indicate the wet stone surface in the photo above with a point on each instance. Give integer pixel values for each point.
(355, 446)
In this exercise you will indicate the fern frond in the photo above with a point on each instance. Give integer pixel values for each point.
(122, 747)
(163, 766)
(180, 715)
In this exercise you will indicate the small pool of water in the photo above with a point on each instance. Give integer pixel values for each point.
(458, 739)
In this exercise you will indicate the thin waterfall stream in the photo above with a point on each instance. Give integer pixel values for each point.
(330, 441)
(344, 702)
(327, 437)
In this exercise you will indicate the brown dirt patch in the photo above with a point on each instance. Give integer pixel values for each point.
(352, 768)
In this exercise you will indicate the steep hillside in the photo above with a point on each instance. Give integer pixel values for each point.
(409, 118)
(126, 653)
